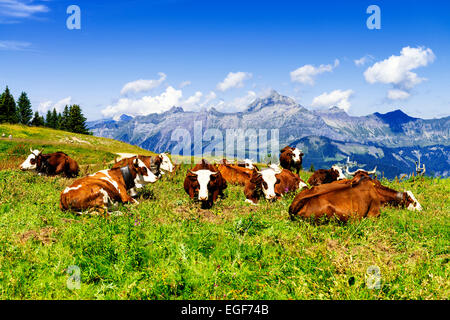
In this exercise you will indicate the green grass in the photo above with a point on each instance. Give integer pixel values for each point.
(168, 248)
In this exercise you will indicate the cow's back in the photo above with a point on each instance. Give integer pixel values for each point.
(340, 199)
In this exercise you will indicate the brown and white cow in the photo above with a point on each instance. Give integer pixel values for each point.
(204, 182)
(157, 165)
(357, 197)
(106, 187)
(263, 184)
(289, 182)
(291, 158)
(51, 164)
(323, 176)
(390, 196)
(234, 174)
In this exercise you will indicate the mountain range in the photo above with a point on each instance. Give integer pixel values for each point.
(392, 141)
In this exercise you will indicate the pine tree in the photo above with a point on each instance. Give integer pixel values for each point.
(8, 112)
(55, 119)
(64, 122)
(24, 109)
(311, 169)
(77, 121)
(51, 119)
(59, 120)
(48, 119)
(38, 121)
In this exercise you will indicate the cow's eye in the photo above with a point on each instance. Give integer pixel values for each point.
(33, 161)
(278, 181)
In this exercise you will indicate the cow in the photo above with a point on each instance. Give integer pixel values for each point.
(323, 176)
(270, 183)
(104, 188)
(234, 174)
(357, 197)
(157, 165)
(289, 182)
(390, 196)
(51, 164)
(204, 182)
(291, 158)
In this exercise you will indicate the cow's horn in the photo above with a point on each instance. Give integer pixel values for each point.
(373, 171)
(349, 173)
(193, 172)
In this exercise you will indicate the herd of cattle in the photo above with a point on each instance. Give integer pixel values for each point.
(330, 192)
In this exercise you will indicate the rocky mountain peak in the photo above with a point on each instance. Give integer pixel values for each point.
(273, 98)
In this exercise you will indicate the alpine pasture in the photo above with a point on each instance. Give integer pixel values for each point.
(166, 247)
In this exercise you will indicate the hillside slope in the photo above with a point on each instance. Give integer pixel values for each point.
(84, 149)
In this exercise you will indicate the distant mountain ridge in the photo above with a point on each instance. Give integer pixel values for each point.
(391, 132)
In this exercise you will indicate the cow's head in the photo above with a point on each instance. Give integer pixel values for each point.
(340, 174)
(166, 164)
(294, 153)
(249, 164)
(297, 155)
(141, 174)
(266, 179)
(201, 181)
(30, 162)
(411, 202)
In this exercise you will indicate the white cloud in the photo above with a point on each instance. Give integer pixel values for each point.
(20, 9)
(184, 84)
(234, 80)
(59, 105)
(193, 101)
(307, 73)
(143, 85)
(145, 105)
(363, 60)
(396, 94)
(14, 45)
(335, 98)
(396, 70)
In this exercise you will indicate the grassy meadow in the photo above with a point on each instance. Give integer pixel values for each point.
(166, 247)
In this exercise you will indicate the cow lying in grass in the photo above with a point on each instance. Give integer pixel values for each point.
(234, 174)
(271, 183)
(323, 176)
(104, 188)
(359, 197)
(157, 165)
(204, 182)
(51, 164)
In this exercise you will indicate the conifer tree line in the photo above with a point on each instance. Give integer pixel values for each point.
(20, 112)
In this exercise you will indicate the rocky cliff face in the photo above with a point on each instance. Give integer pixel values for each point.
(384, 137)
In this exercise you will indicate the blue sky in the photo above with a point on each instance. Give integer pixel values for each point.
(139, 57)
